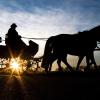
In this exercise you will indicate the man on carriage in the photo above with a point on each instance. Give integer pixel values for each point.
(13, 40)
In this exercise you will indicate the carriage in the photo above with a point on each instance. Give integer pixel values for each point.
(24, 56)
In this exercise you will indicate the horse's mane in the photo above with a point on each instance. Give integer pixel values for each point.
(95, 29)
(90, 30)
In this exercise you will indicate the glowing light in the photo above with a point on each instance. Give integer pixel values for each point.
(14, 64)
(17, 65)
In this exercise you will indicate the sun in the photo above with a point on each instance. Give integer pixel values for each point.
(17, 65)
(14, 64)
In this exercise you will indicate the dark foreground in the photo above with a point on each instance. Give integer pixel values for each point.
(54, 86)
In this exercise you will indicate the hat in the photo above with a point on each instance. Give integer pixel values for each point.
(13, 25)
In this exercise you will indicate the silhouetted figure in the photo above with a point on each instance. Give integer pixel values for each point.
(16, 47)
(81, 44)
(13, 40)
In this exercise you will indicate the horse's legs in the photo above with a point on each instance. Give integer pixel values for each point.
(89, 57)
(79, 61)
(93, 60)
(66, 63)
(50, 66)
(52, 57)
(59, 64)
(87, 61)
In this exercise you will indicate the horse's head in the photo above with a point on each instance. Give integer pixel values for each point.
(95, 33)
(48, 60)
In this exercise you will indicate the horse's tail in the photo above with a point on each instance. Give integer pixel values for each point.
(47, 52)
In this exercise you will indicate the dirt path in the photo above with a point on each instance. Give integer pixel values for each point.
(52, 87)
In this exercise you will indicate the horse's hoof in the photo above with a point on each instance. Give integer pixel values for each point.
(96, 68)
(60, 70)
(71, 69)
(77, 69)
(86, 69)
(46, 70)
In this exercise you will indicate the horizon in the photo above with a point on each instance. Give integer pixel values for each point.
(45, 18)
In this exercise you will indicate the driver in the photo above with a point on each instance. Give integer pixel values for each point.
(13, 39)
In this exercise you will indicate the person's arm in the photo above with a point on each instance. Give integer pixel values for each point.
(17, 35)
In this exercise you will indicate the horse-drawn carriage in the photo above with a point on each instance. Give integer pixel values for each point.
(56, 48)
(24, 56)
(16, 50)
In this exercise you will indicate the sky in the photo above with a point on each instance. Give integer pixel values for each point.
(45, 18)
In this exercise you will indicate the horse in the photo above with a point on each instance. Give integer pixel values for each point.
(26, 53)
(79, 44)
(52, 57)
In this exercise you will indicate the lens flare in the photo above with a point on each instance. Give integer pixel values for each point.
(15, 64)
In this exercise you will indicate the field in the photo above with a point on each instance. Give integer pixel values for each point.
(52, 86)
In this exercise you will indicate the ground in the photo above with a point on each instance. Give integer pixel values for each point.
(54, 86)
